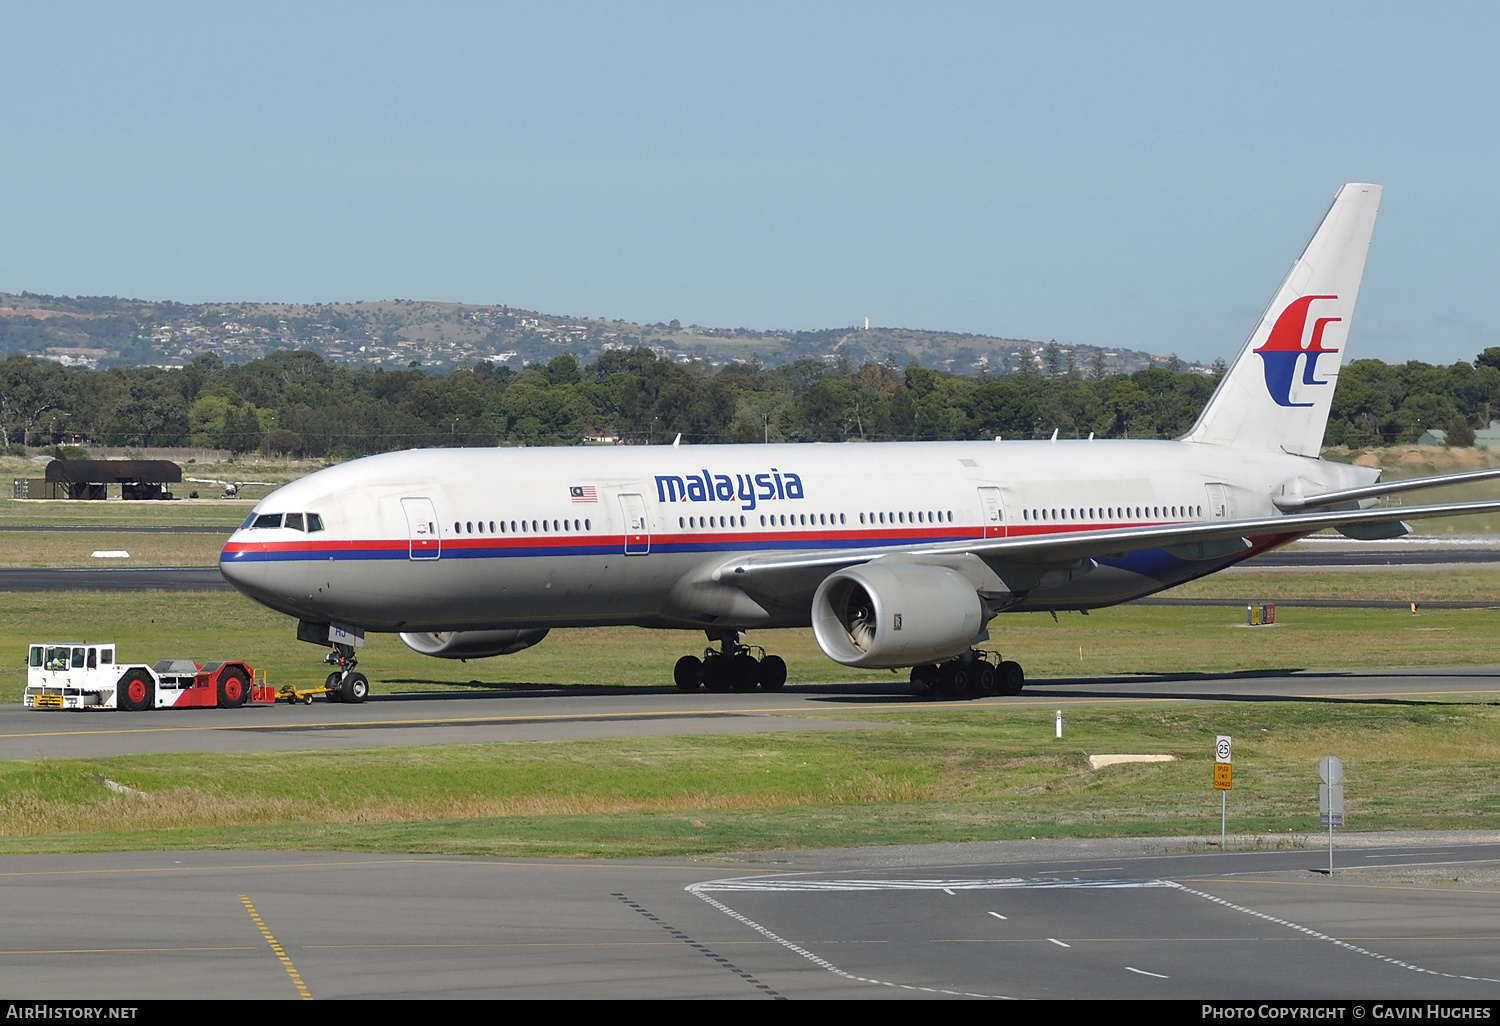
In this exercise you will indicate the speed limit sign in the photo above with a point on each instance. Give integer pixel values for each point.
(1222, 749)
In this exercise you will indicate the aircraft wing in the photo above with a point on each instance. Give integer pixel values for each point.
(1186, 540)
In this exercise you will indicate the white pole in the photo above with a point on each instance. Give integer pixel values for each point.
(1059, 723)
(1223, 818)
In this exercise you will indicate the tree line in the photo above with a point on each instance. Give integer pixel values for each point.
(296, 403)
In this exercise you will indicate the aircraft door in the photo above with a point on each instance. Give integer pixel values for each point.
(422, 529)
(637, 524)
(992, 512)
(1218, 502)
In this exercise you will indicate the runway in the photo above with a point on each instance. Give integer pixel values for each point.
(1095, 919)
(569, 713)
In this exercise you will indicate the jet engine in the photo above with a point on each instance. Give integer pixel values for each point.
(472, 644)
(897, 614)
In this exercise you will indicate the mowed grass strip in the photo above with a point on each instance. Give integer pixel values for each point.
(969, 773)
(221, 513)
(147, 626)
(1448, 583)
(76, 548)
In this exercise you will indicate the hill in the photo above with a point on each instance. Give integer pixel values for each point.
(105, 331)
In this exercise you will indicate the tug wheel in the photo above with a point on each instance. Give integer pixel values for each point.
(137, 691)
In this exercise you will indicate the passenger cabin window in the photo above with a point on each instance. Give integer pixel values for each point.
(267, 520)
(294, 521)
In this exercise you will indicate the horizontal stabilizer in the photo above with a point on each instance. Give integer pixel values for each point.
(1295, 502)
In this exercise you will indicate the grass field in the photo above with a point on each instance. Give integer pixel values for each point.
(968, 773)
(1126, 639)
(76, 548)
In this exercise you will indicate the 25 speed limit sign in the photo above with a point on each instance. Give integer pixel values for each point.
(1222, 749)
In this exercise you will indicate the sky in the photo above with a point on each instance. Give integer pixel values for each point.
(1134, 175)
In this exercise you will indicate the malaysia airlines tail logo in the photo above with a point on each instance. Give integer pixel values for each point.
(1284, 348)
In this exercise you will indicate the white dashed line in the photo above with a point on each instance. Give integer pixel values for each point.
(1143, 972)
(1059, 943)
(1335, 941)
(822, 962)
(997, 915)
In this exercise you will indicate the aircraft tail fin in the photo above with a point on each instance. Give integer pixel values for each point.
(1277, 393)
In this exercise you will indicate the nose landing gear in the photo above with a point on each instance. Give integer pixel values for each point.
(734, 667)
(344, 685)
(974, 674)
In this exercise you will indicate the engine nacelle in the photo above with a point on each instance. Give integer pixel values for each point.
(472, 644)
(898, 614)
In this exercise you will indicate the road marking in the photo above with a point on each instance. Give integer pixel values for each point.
(792, 885)
(1143, 972)
(286, 963)
(823, 963)
(997, 915)
(1335, 941)
(948, 891)
(1410, 855)
(701, 949)
(1059, 943)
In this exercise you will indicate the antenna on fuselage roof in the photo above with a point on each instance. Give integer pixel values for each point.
(677, 439)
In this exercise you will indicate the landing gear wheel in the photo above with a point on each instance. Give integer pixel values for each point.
(356, 689)
(986, 677)
(688, 673)
(715, 674)
(955, 680)
(744, 673)
(137, 691)
(335, 686)
(772, 673)
(923, 678)
(233, 689)
(1012, 678)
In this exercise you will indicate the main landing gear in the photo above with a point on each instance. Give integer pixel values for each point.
(344, 685)
(974, 674)
(734, 667)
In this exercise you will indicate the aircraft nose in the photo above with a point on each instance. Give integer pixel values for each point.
(239, 568)
(250, 573)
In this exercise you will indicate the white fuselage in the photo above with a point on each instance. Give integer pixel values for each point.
(473, 539)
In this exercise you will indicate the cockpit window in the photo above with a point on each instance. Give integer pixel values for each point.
(267, 520)
(35, 655)
(294, 521)
(314, 522)
(250, 520)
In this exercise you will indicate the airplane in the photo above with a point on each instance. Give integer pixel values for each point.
(897, 554)
(231, 488)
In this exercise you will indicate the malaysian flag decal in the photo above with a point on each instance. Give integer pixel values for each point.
(583, 493)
